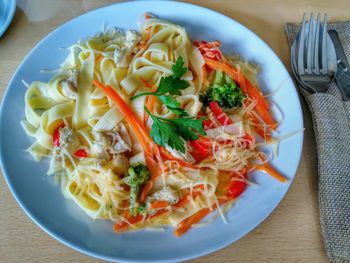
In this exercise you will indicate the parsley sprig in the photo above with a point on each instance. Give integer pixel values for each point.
(169, 86)
(174, 132)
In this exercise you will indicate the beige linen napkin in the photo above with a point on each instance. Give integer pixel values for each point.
(331, 119)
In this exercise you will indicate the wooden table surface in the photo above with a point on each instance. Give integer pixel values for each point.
(290, 234)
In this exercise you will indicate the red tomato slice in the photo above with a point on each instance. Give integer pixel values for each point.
(207, 124)
(56, 136)
(200, 148)
(197, 156)
(236, 188)
(80, 153)
(219, 114)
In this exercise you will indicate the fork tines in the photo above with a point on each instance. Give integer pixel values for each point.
(312, 46)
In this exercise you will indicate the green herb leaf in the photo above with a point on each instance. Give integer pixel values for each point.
(191, 124)
(173, 105)
(141, 94)
(174, 132)
(178, 68)
(171, 86)
(186, 133)
(163, 133)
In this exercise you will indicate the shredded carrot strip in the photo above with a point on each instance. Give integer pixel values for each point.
(197, 190)
(150, 100)
(228, 69)
(125, 204)
(98, 58)
(166, 155)
(146, 189)
(255, 94)
(262, 106)
(124, 225)
(148, 34)
(215, 43)
(147, 16)
(267, 168)
(264, 134)
(186, 224)
(182, 201)
(148, 85)
(120, 227)
(158, 213)
(159, 204)
(144, 43)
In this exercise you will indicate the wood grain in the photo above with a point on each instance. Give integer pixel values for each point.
(290, 234)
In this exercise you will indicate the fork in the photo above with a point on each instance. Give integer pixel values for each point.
(310, 59)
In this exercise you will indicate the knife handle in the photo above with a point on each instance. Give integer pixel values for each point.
(342, 79)
(338, 47)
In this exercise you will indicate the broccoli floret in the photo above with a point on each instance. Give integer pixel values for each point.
(228, 95)
(224, 91)
(138, 175)
(142, 208)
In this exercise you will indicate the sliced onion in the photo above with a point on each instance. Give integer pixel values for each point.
(232, 129)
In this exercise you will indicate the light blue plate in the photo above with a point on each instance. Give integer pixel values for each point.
(42, 199)
(7, 11)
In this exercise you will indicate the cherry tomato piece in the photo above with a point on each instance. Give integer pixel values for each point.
(56, 136)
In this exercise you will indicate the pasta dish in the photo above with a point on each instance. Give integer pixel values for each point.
(150, 129)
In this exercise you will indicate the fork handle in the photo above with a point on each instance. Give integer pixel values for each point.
(331, 119)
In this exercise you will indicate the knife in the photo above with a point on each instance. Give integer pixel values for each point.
(343, 70)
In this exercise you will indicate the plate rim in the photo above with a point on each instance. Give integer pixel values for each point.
(11, 10)
(88, 252)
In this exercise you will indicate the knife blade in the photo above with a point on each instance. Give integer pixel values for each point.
(343, 70)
